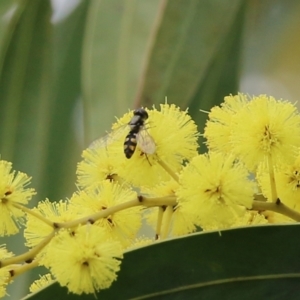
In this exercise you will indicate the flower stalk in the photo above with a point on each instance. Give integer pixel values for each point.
(139, 201)
(168, 170)
(29, 255)
(34, 214)
(161, 210)
(277, 207)
(166, 222)
(272, 179)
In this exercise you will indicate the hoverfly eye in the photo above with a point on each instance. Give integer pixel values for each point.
(141, 112)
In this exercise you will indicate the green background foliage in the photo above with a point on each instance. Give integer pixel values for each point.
(64, 77)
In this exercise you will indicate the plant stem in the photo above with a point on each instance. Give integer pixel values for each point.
(272, 179)
(159, 222)
(29, 255)
(168, 170)
(34, 214)
(141, 200)
(98, 215)
(277, 207)
(167, 222)
(23, 268)
(159, 201)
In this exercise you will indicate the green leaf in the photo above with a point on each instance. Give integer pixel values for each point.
(244, 263)
(116, 38)
(39, 87)
(223, 74)
(187, 41)
(6, 6)
(65, 143)
(25, 87)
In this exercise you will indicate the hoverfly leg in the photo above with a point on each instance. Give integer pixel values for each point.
(142, 154)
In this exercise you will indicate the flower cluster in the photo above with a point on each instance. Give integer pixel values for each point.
(148, 167)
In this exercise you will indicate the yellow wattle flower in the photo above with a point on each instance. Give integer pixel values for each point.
(183, 218)
(122, 225)
(4, 280)
(287, 178)
(96, 166)
(85, 262)
(41, 283)
(12, 191)
(4, 272)
(216, 188)
(264, 129)
(36, 230)
(221, 122)
(175, 136)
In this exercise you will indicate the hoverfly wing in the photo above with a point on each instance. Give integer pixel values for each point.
(109, 138)
(146, 142)
(101, 142)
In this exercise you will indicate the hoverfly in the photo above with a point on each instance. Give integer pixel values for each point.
(137, 135)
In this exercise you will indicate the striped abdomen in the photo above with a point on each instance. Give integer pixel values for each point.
(130, 143)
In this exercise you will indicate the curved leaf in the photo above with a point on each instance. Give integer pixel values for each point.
(244, 263)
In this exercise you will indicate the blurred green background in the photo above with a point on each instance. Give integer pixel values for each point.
(68, 67)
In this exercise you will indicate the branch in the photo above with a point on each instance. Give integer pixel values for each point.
(140, 200)
(29, 255)
(277, 207)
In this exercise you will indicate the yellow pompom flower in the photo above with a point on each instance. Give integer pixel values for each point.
(122, 225)
(218, 128)
(4, 253)
(251, 217)
(36, 230)
(4, 272)
(287, 178)
(85, 262)
(41, 283)
(266, 130)
(12, 192)
(4, 280)
(174, 136)
(96, 166)
(183, 217)
(217, 188)
(140, 242)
